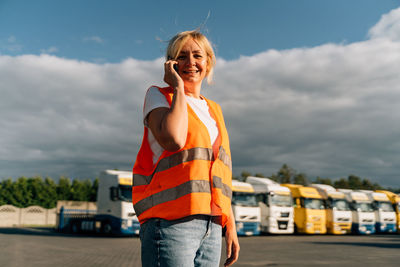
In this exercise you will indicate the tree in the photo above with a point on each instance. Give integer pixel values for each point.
(285, 174)
(22, 192)
(64, 189)
(37, 188)
(354, 182)
(2, 200)
(244, 175)
(376, 186)
(93, 191)
(50, 194)
(7, 193)
(80, 190)
(320, 180)
(300, 178)
(367, 185)
(274, 177)
(26, 192)
(394, 190)
(341, 183)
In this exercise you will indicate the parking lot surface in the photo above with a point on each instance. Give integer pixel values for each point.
(43, 247)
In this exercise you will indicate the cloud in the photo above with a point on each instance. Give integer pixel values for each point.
(388, 26)
(328, 111)
(12, 39)
(10, 44)
(49, 50)
(70, 117)
(95, 39)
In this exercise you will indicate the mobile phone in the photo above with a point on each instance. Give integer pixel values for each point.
(175, 65)
(176, 68)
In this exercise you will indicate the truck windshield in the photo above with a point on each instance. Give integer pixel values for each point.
(313, 203)
(340, 204)
(363, 206)
(385, 206)
(281, 200)
(125, 192)
(244, 199)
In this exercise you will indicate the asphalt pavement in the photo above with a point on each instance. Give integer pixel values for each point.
(44, 247)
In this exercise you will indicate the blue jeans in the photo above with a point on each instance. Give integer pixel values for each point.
(191, 241)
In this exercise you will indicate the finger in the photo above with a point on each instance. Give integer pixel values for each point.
(228, 249)
(234, 255)
(229, 261)
(171, 63)
(228, 254)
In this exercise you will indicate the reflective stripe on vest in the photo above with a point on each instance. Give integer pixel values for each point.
(195, 153)
(226, 190)
(193, 186)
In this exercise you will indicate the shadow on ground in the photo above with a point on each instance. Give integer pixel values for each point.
(40, 231)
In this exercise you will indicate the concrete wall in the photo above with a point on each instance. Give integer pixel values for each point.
(33, 215)
(9, 215)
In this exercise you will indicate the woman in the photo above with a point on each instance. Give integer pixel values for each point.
(182, 175)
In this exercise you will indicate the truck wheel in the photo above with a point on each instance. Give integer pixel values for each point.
(107, 229)
(75, 227)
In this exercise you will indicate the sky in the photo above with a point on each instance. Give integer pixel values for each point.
(313, 84)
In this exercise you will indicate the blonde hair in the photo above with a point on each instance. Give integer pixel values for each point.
(178, 41)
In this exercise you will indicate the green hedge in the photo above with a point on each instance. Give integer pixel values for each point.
(25, 192)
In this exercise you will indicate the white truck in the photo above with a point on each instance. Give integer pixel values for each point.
(363, 216)
(276, 205)
(385, 216)
(245, 209)
(115, 214)
(338, 213)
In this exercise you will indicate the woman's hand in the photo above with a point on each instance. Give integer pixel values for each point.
(232, 242)
(171, 76)
(170, 125)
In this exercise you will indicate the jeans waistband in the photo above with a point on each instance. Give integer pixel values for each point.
(214, 219)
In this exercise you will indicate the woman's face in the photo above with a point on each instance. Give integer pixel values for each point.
(192, 62)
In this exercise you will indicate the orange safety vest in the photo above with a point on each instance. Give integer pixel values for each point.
(197, 179)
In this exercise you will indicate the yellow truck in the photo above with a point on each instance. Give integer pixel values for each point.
(395, 200)
(309, 209)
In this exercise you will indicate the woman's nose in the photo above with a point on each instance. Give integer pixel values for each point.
(190, 60)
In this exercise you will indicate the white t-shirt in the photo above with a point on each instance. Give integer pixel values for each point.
(155, 99)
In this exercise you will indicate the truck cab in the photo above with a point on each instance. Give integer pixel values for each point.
(385, 216)
(363, 217)
(338, 213)
(245, 209)
(275, 202)
(113, 213)
(309, 209)
(114, 203)
(395, 200)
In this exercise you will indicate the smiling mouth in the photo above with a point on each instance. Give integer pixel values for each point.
(190, 71)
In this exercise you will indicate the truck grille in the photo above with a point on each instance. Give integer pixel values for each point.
(343, 219)
(282, 225)
(284, 214)
(316, 218)
(246, 217)
(367, 220)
